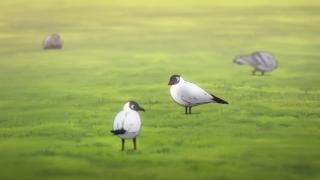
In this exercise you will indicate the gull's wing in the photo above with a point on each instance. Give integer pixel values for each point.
(119, 121)
(193, 94)
(127, 120)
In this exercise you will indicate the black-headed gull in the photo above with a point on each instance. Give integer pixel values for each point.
(127, 123)
(188, 94)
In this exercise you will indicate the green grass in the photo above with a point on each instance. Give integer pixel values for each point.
(57, 107)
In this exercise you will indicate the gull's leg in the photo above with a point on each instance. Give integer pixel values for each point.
(186, 110)
(134, 143)
(190, 109)
(122, 147)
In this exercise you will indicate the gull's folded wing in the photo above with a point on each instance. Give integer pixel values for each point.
(193, 94)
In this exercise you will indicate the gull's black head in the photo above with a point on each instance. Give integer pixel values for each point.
(174, 79)
(135, 106)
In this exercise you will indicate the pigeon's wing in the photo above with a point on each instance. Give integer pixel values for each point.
(265, 61)
(260, 61)
(269, 59)
(132, 122)
(193, 94)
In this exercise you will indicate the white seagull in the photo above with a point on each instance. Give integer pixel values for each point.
(188, 94)
(127, 123)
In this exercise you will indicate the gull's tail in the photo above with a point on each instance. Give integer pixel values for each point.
(118, 131)
(218, 100)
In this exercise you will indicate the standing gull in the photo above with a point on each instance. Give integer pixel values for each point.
(127, 123)
(188, 94)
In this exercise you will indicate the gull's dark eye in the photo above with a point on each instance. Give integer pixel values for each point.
(133, 106)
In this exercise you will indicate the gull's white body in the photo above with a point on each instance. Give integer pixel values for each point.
(128, 120)
(189, 94)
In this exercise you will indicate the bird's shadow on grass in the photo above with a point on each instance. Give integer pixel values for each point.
(193, 114)
(131, 151)
(259, 75)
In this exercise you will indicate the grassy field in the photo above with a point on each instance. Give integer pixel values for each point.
(57, 107)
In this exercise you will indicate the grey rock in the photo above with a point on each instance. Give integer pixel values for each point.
(260, 61)
(53, 41)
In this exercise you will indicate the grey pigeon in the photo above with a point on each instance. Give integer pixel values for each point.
(260, 61)
(53, 41)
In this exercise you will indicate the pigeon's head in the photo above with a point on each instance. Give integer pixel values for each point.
(240, 60)
(174, 79)
(134, 106)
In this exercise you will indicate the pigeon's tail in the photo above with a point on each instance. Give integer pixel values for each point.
(118, 131)
(218, 100)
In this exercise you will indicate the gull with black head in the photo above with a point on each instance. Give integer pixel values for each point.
(127, 123)
(188, 94)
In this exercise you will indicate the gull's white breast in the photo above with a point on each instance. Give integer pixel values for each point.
(175, 93)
